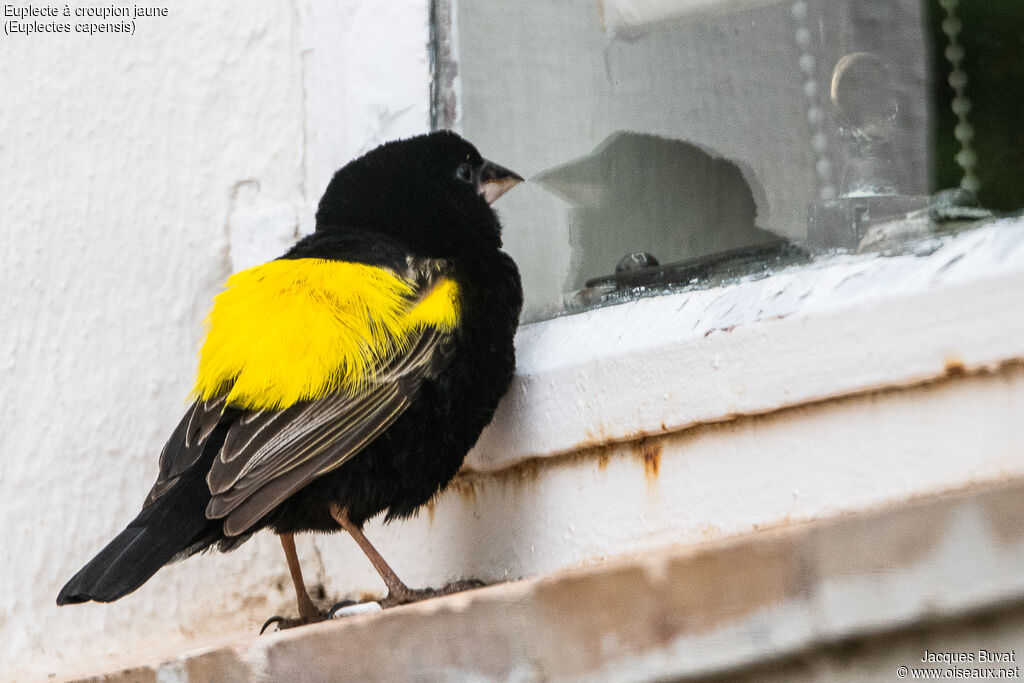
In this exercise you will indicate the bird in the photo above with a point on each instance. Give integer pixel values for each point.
(347, 378)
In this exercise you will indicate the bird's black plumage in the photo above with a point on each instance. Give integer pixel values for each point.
(407, 207)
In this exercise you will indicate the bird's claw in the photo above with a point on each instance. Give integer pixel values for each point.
(286, 622)
(274, 620)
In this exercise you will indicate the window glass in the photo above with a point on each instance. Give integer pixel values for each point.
(676, 143)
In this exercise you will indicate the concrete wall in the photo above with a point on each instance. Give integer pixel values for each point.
(138, 171)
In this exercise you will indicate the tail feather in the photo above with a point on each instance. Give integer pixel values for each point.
(171, 525)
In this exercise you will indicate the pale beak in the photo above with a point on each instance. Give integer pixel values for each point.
(493, 181)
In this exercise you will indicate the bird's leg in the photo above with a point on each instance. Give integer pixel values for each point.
(308, 611)
(396, 587)
(398, 592)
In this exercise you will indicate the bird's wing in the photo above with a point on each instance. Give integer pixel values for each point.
(269, 455)
(186, 444)
(318, 358)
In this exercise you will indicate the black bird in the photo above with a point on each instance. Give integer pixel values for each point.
(347, 378)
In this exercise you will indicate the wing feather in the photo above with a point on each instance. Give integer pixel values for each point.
(186, 444)
(274, 454)
(250, 506)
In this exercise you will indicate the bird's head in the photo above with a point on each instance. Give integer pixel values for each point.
(431, 192)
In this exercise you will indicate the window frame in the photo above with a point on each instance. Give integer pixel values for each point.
(840, 326)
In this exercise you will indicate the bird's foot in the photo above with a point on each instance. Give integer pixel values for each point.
(402, 595)
(405, 595)
(291, 622)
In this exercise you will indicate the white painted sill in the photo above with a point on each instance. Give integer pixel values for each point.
(837, 327)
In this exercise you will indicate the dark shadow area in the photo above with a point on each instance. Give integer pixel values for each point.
(991, 38)
(644, 194)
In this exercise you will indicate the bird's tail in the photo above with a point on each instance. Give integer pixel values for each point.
(169, 526)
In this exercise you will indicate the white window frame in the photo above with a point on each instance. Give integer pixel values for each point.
(833, 328)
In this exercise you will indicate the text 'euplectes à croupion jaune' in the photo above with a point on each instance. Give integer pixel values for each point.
(39, 19)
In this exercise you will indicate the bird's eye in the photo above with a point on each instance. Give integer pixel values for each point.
(464, 173)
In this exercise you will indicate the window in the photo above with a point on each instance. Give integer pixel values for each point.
(681, 143)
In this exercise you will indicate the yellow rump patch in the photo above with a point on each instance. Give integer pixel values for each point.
(439, 308)
(295, 330)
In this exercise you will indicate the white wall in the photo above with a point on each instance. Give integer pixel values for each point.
(137, 172)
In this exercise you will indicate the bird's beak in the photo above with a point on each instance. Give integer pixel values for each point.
(494, 181)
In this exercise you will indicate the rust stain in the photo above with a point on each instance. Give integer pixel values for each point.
(599, 448)
(599, 437)
(652, 458)
(431, 506)
(594, 437)
(597, 443)
(466, 488)
(468, 483)
(645, 448)
(526, 471)
(955, 366)
(649, 452)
